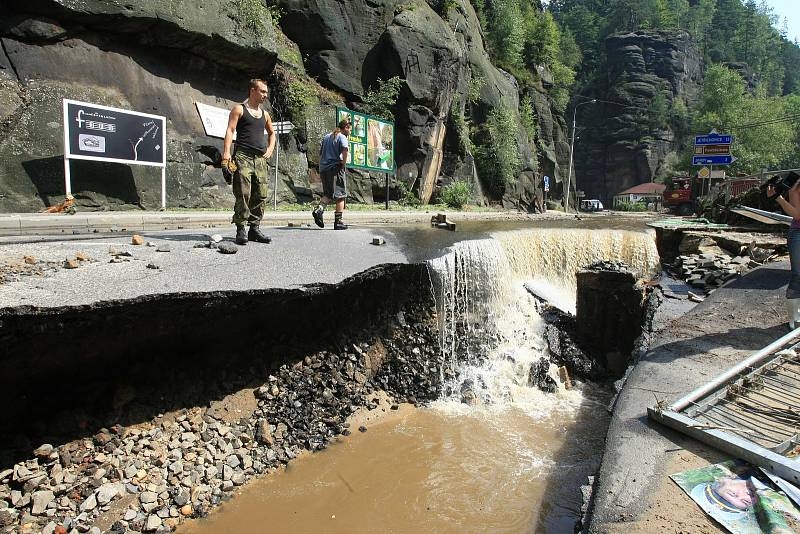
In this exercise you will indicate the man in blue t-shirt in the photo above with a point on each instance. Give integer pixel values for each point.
(332, 164)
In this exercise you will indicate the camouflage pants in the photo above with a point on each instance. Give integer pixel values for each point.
(250, 188)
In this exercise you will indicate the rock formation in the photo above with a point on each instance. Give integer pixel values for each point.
(646, 70)
(161, 57)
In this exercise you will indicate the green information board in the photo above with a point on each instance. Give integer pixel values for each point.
(371, 141)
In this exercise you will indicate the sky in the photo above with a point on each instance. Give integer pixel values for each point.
(789, 9)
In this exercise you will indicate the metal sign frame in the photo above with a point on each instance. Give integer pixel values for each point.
(363, 141)
(679, 417)
(718, 144)
(68, 155)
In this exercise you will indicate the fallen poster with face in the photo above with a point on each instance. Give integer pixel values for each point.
(740, 498)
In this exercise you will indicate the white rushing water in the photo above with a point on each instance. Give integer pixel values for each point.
(490, 331)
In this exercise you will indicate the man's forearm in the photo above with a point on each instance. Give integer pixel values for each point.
(226, 145)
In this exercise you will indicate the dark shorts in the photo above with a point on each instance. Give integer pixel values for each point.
(333, 183)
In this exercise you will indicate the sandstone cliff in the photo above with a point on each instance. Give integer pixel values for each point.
(162, 56)
(653, 79)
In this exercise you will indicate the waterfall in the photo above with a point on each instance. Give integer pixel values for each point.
(490, 331)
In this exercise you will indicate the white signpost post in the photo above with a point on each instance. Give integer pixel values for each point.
(280, 127)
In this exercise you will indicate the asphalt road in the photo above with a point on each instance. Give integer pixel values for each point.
(296, 257)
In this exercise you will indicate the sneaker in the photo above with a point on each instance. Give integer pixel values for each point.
(241, 236)
(339, 225)
(317, 214)
(256, 235)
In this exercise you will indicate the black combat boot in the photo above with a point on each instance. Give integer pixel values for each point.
(317, 214)
(337, 221)
(256, 235)
(241, 235)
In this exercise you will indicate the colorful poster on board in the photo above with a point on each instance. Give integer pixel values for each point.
(380, 144)
(371, 141)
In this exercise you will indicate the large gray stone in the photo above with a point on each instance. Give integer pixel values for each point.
(40, 501)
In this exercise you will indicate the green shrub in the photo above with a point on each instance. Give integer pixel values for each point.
(630, 206)
(275, 14)
(299, 96)
(497, 153)
(406, 197)
(251, 15)
(474, 88)
(461, 127)
(447, 5)
(379, 101)
(456, 194)
(480, 10)
(528, 116)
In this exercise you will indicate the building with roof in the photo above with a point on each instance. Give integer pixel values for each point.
(647, 193)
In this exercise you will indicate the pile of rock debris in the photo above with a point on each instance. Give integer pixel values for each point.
(148, 477)
(709, 271)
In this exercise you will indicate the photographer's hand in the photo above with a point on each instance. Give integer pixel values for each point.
(787, 207)
(771, 191)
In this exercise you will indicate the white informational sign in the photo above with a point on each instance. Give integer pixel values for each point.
(214, 119)
(283, 127)
(102, 133)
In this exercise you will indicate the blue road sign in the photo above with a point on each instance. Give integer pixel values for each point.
(546, 183)
(713, 139)
(712, 160)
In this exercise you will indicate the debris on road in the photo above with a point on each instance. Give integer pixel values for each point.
(440, 221)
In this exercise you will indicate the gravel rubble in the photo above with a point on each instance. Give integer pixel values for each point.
(150, 476)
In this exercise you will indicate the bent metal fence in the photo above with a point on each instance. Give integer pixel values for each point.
(751, 411)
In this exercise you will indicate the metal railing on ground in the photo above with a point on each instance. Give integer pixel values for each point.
(751, 411)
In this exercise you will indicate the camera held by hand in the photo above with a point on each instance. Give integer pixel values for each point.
(781, 183)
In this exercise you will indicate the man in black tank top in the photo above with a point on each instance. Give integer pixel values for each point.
(254, 147)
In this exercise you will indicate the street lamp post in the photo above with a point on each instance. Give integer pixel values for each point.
(571, 147)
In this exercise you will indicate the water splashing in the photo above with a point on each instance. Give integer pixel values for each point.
(490, 331)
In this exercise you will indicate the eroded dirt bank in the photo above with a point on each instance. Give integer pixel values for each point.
(155, 409)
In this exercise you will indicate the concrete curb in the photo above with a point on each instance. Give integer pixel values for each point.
(28, 224)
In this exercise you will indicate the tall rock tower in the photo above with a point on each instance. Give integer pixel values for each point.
(653, 80)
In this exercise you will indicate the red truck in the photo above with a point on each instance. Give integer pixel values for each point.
(681, 196)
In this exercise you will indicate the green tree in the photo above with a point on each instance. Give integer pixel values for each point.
(496, 151)
(659, 112)
(763, 136)
(380, 100)
(541, 40)
(507, 32)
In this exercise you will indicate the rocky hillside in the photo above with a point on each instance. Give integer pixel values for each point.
(162, 57)
(653, 79)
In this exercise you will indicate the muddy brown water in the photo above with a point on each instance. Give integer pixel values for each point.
(512, 464)
(448, 468)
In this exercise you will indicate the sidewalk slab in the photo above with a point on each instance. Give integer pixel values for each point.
(633, 492)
